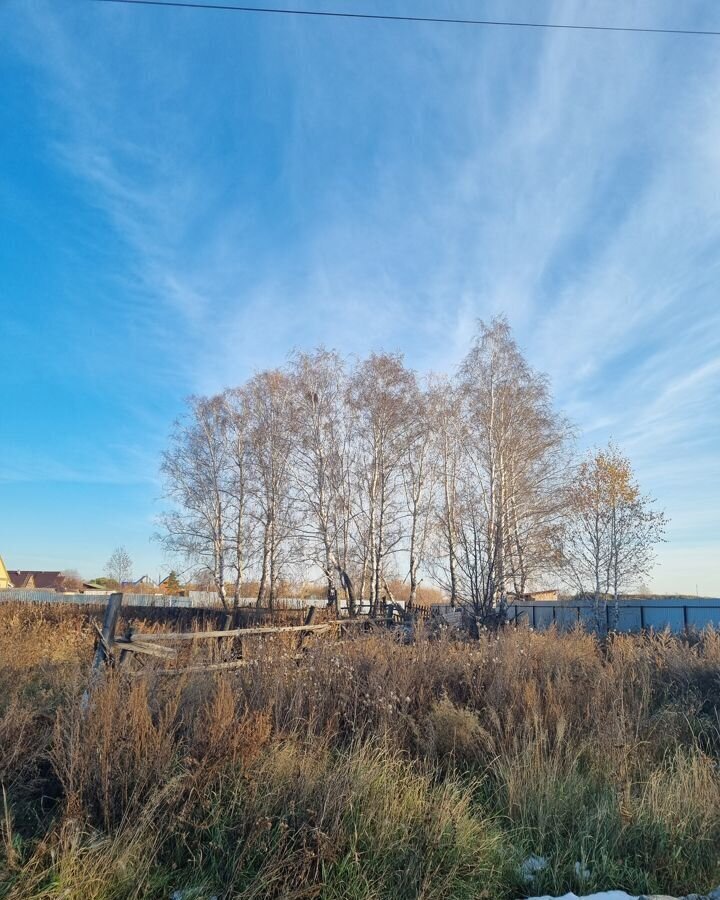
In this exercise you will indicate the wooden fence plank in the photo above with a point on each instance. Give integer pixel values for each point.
(235, 632)
(127, 646)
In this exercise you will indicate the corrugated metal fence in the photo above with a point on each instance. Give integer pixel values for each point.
(95, 597)
(193, 600)
(675, 613)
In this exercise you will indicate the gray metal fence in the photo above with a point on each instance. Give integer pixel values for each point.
(193, 600)
(93, 598)
(676, 613)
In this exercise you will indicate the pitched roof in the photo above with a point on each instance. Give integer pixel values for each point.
(32, 578)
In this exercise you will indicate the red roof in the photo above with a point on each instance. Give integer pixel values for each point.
(31, 578)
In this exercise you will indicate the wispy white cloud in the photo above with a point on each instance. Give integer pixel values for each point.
(111, 469)
(570, 180)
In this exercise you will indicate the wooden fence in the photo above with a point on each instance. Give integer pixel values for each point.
(113, 649)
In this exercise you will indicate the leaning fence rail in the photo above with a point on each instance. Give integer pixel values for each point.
(112, 649)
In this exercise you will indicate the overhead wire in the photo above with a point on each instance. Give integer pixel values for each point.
(438, 20)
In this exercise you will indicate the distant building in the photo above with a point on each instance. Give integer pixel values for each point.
(552, 594)
(89, 586)
(549, 595)
(4, 576)
(33, 579)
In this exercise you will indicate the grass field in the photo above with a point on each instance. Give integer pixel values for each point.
(368, 769)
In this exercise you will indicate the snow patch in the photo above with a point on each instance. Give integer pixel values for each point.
(581, 872)
(530, 866)
(604, 895)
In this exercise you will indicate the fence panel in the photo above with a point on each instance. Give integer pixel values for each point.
(566, 616)
(633, 615)
(543, 616)
(701, 616)
(157, 600)
(663, 617)
(628, 618)
(13, 595)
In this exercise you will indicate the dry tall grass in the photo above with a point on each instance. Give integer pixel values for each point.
(367, 769)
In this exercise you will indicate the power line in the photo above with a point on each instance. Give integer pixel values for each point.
(186, 4)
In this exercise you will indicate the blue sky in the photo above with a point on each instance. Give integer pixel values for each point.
(187, 196)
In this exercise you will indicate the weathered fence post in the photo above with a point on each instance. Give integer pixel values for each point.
(309, 616)
(106, 640)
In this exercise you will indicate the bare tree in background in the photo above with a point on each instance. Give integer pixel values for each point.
(119, 566)
(69, 580)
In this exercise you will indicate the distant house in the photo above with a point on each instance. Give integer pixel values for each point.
(549, 595)
(88, 586)
(33, 579)
(552, 594)
(4, 576)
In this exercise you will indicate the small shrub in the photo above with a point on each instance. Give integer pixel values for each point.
(452, 733)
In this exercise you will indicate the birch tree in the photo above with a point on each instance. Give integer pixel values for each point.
(381, 393)
(611, 529)
(238, 459)
(196, 470)
(270, 411)
(446, 428)
(360, 473)
(476, 555)
(322, 466)
(419, 477)
(513, 461)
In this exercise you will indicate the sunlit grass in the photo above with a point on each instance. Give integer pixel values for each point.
(365, 769)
